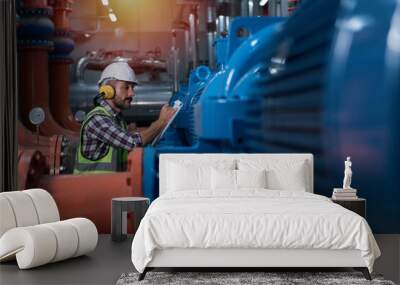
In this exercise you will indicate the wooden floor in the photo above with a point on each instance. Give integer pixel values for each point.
(110, 259)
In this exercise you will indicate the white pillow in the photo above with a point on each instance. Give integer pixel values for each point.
(226, 179)
(251, 178)
(223, 179)
(290, 179)
(195, 174)
(182, 177)
(282, 174)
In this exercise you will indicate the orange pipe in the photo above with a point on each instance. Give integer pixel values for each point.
(135, 169)
(90, 196)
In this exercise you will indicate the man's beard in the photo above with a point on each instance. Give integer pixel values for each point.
(121, 104)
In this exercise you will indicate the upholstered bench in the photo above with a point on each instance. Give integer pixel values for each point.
(31, 230)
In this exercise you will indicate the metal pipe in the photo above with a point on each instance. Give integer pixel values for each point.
(80, 67)
(187, 53)
(151, 63)
(154, 93)
(97, 61)
(222, 24)
(211, 28)
(193, 39)
(278, 8)
(250, 7)
(244, 8)
(174, 53)
(223, 16)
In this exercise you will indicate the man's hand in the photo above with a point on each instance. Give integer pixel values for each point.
(132, 128)
(166, 114)
(156, 127)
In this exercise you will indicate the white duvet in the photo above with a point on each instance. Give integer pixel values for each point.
(250, 219)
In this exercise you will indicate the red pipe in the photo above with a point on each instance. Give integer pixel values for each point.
(59, 90)
(49, 147)
(35, 3)
(59, 71)
(60, 16)
(28, 139)
(31, 166)
(34, 90)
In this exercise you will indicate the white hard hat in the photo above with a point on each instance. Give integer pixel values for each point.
(119, 71)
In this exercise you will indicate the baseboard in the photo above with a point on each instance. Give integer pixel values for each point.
(389, 262)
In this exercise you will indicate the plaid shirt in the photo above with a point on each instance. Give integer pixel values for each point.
(101, 131)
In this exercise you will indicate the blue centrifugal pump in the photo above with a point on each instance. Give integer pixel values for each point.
(182, 133)
(186, 134)
(324, 81)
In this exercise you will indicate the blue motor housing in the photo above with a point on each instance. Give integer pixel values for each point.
(330, 89)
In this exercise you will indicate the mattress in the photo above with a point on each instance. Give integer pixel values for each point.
(251, 219)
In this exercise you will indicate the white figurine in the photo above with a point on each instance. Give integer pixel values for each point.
(347, 174)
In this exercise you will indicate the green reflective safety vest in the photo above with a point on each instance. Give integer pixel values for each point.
(114, 160)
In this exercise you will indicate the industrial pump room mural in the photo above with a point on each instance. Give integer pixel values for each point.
(235, 76)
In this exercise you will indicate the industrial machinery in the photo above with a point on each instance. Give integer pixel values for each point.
(327, 86)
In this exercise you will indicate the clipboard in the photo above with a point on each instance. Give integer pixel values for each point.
(177, 106)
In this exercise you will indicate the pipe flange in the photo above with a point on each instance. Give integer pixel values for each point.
(60, 59)
(35, 44)
(67, 155)
(31, 166)
(37, 12)
(62, 33)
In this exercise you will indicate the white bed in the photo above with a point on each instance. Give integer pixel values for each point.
(198, 223)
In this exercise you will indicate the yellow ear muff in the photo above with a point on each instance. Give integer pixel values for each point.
(107, 91)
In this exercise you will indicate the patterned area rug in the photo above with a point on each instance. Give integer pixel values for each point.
(230, 278)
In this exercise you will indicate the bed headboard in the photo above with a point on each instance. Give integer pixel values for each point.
(210, 157)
